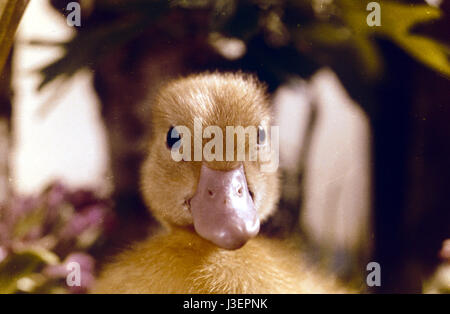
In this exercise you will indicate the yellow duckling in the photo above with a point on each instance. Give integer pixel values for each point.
(210, 210)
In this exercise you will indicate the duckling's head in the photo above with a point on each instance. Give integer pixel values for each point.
(223, 198)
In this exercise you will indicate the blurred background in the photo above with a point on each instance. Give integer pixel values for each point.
(363, 112)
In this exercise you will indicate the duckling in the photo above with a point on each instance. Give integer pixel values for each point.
(210, 210)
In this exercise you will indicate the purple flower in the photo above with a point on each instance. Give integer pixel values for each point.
(19, 208)
(56, 195)
(55, 198)
(61, 221)
(90, 217)
(84, 263)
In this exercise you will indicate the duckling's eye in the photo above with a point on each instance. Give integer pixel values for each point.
(173, 138)
(261, 135)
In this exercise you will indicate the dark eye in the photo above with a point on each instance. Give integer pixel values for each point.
(261, 135)
(173, 137)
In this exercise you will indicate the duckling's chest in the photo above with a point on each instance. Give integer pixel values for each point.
(197, 267)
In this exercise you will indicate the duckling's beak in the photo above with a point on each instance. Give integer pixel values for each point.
(222, 208)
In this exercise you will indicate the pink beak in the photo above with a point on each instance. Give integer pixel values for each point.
(222, 208)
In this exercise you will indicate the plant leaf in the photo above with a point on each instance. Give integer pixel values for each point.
(397, 21)
(22, 264)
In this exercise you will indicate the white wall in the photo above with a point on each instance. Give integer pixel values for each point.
(68, 141)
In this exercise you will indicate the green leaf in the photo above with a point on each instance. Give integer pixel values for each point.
(91, 44)
(88, 47)
(22, 264)
(369, 56)
(397, 18)
(430, 52)
(354, 15)
(29, 221)
(397, 21)
(325, 34)
(88, 237)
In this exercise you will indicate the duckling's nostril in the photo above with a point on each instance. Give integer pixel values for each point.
(187, 204)
(240, 191)
(211, 193)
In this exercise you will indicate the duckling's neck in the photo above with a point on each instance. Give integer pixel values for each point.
(187, 237)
